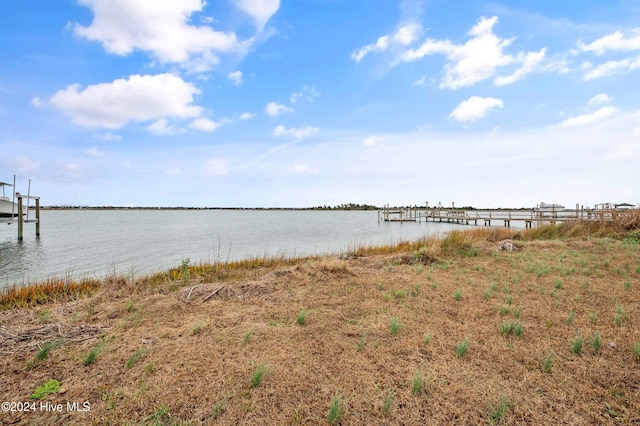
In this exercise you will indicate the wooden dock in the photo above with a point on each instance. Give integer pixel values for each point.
(503, 216)
(22, 214)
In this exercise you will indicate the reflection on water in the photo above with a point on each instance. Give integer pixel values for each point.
(19, 258)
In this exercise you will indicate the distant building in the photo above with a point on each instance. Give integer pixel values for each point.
(624, 206)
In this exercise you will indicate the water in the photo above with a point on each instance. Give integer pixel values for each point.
(94, 243)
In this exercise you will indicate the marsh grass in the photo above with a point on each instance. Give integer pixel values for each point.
(417, 386)
(458, 295)
(197, 328)
(499, 411)
(258, 376)
(596, 341)
(336, 410)
(135, 358)
(635, 348)
(547, 362)
(462, 348)
(301, 319)
(44, 351)
(576, 345)
(619, 316)
(394, 326)
(386, 408)
(92, 355)
(51, 290)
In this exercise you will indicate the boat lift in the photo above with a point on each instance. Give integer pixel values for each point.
(21, 216)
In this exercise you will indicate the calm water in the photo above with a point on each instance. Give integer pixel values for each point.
(96, 242)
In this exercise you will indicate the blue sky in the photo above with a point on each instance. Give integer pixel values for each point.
(260, 103)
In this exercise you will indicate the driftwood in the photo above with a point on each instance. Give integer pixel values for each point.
(15, 340)
(212, 293)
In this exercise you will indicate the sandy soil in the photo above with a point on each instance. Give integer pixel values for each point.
(188, 353)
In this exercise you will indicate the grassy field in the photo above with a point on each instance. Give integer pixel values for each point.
(487, 326)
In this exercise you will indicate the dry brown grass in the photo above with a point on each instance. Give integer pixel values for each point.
(345, 347)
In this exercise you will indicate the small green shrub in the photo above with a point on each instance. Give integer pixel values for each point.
(570, 318)
(52, 386)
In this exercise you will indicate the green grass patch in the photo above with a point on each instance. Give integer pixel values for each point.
(636, 351)
(336, 410)
(394, 326)
(417, 386)
(596, 341)
(258, 376)
(462, 348)
(92, 355)
(547, 363)
(135, 358)
(576, 345)
(499, 411)
(301, 319)
(386, 408)
(44, 351)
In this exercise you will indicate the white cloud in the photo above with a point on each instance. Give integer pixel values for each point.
(216, 167)
(421, 81)
(108, 137)
(404, 36)
(174, 171)
(530, 62)
(477, 59)
(475, 108)
(37, 102)
(296, 133)
(623, 151)
(601, 98)
(260, 10)
(247, 116)
(235, 77)
(615, 41)
(160, 28)
(303, 169)
(613, 67)
(161, 127)
(139, 98)
(585, 119)
(204, 124)
(94, 152)
(274, 109)
(372, 141)
(306, 93)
